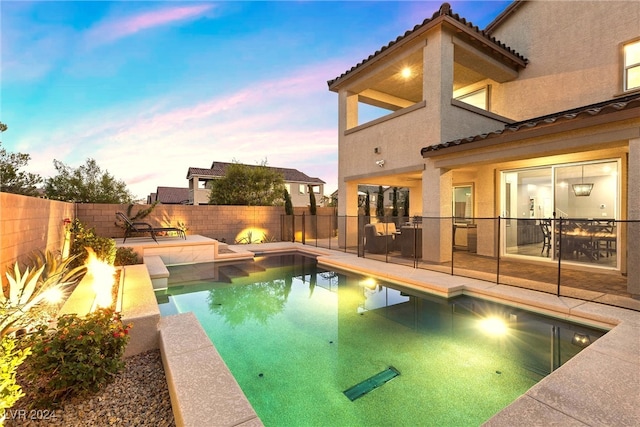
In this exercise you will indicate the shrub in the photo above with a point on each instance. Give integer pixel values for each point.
(77, 357)
(10, 359)
(27, 296)
(104, 247)
(126, 256)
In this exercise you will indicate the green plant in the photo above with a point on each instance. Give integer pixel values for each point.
(394, 211)
(26, 291)
(246, 240)
(21, 306)
(104, 247)
(367, 204)
(182, 226)
(79, 356)
(405, 206)
(380, 203)
(142, 213)
(288, 206)
(313, 207)
(268, 239)
(126, 256)
(10, 359)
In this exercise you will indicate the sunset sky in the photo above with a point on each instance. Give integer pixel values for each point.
(149, 89)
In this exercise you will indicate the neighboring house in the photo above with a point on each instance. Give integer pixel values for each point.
(502, 122)
(296, 182)
(169, 196)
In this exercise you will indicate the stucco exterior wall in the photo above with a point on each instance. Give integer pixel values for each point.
(565, 70)
(29, 224)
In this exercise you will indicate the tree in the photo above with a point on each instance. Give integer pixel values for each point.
(247, 185)
(86, 184)
(288, 206)
(367, 204)
(12, 179)
(313, 207)
(380, 203)
(405, 207)
(394, 212)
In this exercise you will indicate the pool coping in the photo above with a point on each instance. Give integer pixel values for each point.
(599, 386)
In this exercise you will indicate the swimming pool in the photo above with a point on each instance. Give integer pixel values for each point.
(297, 337)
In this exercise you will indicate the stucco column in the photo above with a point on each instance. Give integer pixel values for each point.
(348, 214)
(415, 200)
(633, 213)
(485, 201)
(347, 191)
(436, 212)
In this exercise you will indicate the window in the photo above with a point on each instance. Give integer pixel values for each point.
(302, 188)
(288, 188)
(463, 204)
(478, 98)
(631, 71)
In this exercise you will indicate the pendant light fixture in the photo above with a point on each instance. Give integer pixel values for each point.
(583, 189)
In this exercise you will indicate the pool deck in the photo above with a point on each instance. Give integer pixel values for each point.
(599, 386)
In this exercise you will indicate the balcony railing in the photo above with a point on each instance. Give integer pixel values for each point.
(574, 257)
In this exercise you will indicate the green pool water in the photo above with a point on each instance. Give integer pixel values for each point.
(297, 336)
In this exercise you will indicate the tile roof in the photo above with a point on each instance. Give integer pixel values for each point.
(218, 170)
(601, 108)
(444, 12)
(172, 195)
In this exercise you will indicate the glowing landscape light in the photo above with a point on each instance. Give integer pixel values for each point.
(101, 276)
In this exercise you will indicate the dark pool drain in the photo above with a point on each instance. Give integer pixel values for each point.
(372, 383)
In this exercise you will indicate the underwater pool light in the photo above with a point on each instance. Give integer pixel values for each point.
(581, 340)
(493, 326)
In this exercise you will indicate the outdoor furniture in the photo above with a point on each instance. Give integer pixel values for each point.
(411, 242)
(545, 226)
(589, 238)
(375, 242)
(131, 227)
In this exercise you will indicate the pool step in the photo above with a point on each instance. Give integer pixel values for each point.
(372, 383)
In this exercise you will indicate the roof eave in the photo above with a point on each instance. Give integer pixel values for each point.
(507, 135)
(513, 60)
(503, 16)
(334, 85)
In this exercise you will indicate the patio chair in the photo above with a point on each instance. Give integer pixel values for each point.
(144, 227)
(545, 226)
(375, 242)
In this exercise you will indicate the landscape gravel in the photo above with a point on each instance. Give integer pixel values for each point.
(138, 396)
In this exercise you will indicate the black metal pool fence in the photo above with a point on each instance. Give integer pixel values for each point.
(546, 254)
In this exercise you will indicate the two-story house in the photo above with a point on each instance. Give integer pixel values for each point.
(297, 184)
(536, 115)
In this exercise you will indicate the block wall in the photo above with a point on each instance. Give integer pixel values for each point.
(29, 224)
(224, 223)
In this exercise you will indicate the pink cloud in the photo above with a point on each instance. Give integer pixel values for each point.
(117, 28)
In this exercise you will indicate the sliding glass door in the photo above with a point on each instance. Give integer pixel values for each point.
(585, 194)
